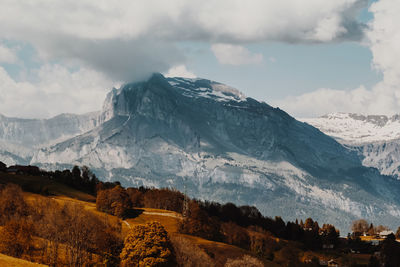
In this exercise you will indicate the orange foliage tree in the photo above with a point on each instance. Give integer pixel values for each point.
(147, 245)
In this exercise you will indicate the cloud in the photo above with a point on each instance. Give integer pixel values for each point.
(383, 38)
(7, 55)
(180, 71)
(100, 33)
(121, 60)
(235, 55)
(57, 90)
(324, 101)
(107, 43)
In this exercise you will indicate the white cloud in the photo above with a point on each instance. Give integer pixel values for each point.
(58, 90)
(253, 20)
(111, 37)
(324, 101)
(180, 71)
(383, 98)
(235, 55)
(108, 42)
(384, 37)
(7, 55)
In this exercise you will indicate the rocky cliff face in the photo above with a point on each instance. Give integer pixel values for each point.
(19, 138)
(211, 139)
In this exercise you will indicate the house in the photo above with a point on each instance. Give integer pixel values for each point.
(384, 234)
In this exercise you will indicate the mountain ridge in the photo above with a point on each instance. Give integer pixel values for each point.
(222, 146)
(376, 138)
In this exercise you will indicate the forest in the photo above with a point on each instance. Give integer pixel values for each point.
(39, 225)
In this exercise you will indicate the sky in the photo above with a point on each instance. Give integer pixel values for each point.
(307, 57)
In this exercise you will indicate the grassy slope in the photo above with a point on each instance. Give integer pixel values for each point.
(7, 261)
(38, 184)
(61, 193)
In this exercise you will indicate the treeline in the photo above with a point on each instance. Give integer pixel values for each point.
(81, 178)
(242, 226)
(121, 202)
(44, 231)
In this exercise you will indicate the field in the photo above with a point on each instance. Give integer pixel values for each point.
(39, 187)
(7, 261)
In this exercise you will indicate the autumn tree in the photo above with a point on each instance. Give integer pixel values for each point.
(359, 227)
(16, 237)
(381, 228)
(135, 197)
(114, 201)
(198, 223)
(235, 235)
(329, 234)
(79, 232)
(188, 254)
(12, 203)
(147, 245)
(163, 199)
(398, 233)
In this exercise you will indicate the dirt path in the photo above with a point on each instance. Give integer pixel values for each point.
(127, 224)
(173, 215)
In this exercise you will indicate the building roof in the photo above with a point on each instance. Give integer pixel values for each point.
(386, 232)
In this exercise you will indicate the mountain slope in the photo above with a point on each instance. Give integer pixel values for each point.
(20, 137)
(376, 138)
(208, 139)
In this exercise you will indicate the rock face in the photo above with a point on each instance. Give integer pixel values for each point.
(210, 140)
(19, 138)
(376, 138)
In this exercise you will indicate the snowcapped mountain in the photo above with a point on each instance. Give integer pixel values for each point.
(210, 139)
(376, 138)
(19, 138)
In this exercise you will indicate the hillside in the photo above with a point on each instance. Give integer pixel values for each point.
(7, 261)
(193, 249)
(65, 195)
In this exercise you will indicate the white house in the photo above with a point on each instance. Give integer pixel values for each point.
(385, 234)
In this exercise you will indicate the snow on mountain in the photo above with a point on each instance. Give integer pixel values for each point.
(210, 139)
(19, 138)
(356, 129)
(376, 138)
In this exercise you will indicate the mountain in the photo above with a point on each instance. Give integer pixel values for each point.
(209, 140)
(376, 138)
(19, 138)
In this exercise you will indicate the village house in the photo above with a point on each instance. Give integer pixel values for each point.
(384, 234)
